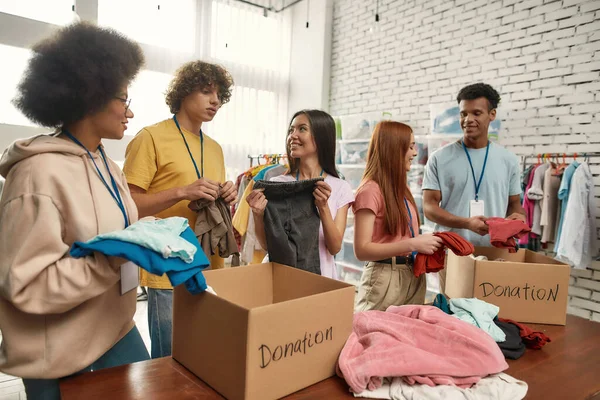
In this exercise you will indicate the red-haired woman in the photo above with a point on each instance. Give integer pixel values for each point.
(386, 232)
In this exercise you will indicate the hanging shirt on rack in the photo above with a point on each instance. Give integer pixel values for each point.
(528, 206)
(578, 237)
(548, 220)
(563, 195)
(277, 171)
(261, 175)
(536, 193)
(525, 182)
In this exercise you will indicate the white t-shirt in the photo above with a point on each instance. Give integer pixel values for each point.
(577, 244)
(341, 195)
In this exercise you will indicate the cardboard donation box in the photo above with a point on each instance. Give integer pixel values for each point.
(271, 330)
(527, 286)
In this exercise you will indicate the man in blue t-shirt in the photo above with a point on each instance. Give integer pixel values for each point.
(473, 179)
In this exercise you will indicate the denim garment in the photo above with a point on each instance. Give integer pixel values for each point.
(160, 321)
(292, 223)
(128, 350)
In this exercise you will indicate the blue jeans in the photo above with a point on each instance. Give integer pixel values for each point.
(160, 321)
(128, 350)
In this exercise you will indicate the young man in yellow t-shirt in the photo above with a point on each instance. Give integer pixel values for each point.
(173, 162)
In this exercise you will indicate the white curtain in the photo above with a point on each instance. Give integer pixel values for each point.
(256, 50)
(253, 47)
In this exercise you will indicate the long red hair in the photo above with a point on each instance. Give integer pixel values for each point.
(386, 165)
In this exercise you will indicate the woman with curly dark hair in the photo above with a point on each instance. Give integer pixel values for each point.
(173, 162)
(60, 315)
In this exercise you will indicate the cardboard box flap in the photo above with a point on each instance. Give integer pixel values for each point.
(247, 286)
(460, 275)
(532, 257)
(292, 283)
(493, 253)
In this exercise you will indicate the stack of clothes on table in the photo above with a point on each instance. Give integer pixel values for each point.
(453, 350)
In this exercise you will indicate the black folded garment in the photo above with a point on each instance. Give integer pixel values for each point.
(513, 347)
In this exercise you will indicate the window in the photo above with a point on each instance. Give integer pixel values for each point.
(147, 95)
(254, 48)
(11, 76)
(170, 24)
(57, 12)
(244, 36)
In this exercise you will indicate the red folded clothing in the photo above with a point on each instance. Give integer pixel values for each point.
(435, 262)
(505, 232)
(532, 339)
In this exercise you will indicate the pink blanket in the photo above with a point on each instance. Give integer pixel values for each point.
(422, 344)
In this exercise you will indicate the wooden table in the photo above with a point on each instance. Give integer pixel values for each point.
(566, 368)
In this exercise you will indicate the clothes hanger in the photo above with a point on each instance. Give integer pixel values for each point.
(560, 166)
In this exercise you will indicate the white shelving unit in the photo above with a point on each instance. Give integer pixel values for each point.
(353, 153)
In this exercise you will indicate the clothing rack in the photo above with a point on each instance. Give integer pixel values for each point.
(541, 157)
(591, 158)
(272, 158)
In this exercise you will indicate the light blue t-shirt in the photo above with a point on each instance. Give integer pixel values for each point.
(563, 195)
(160, 235)
(448, 171)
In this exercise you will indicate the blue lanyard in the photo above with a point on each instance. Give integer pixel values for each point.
(412, 231)
(298, 174)
(410, 226)
(477, 184)
(190, 152)
(115, 195)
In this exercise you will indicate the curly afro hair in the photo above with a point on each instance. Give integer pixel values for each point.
(478, 90)
(76, 72)
(197, 75)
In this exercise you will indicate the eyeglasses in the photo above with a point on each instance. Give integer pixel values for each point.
(127, 102)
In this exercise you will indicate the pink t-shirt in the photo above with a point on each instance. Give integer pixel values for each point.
(369, 197)
(341, 195)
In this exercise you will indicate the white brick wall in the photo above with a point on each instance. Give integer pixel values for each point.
(543, 56)
(545, 53)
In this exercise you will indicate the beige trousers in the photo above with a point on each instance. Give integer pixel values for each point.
(384, 285)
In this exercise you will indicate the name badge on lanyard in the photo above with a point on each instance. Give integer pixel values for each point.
(477, 207)
(129, 277)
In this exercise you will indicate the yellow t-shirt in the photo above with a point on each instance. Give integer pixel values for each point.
(240, 219)
(157, 159)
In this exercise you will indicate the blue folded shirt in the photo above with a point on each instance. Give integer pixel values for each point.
(176, 269)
